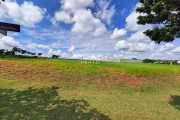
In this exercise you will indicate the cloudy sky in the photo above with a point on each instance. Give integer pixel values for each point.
(93, 29)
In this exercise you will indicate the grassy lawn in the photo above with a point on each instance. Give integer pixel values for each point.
(52, 89)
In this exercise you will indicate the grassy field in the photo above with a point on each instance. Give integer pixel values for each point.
(53, 89)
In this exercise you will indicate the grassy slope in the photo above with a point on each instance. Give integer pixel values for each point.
(88, 91)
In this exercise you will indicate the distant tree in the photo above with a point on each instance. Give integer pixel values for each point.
(55, 56)
(23, 51)
(29, 53)
(175, 63)
(39, 54)
(10, 53)
(165, 13)
(2, 51)
(33, 53)
(148, 61)
(15, 49)
(134, 58)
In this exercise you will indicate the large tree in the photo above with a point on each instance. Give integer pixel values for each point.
(15, 49)
(165, 14)
(1, 51)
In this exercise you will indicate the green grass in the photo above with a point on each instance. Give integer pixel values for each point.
(54, 89)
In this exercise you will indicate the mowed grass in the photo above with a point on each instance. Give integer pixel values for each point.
(67, 89)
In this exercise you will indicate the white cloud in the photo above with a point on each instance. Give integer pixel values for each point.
(167, 46)
(131, 21)
(82, 19)
(176, 50)
(63, 16)
(64, 55)
(104, 13)
(85, 22)
(76, 4)
(34, 45)
(90, 47)
(118, 33)
(71, 49)
(52, 52)
(26, 14)
(77, 56)
(140, 47)
(157, 56)
(118, 56)
(138, 37)
(8, 43)
(122, 45)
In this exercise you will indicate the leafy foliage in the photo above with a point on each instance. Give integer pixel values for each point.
(55, 56)
(148, 61)
(1, 51)
(39, 54)
(166, 13)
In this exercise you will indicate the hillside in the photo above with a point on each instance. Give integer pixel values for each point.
(66, 89)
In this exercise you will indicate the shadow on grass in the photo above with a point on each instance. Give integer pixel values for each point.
(175, 101)
(44, 104)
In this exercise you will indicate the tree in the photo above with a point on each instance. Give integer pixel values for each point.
(33, 53)
(23, 51)
(148, 61)
(166, 14)
(15, 49)
(10, 53)
(39, 54)
(1, 51)
(55, 56)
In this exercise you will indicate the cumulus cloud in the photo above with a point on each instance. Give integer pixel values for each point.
(176, 50)
(157, 56)
(26, 14)
(54, 52)
(118, 33)
(85, 22)
(140, 47)
(167, 46)
(8, 43)
(77, 56)
(72, 48)
(76, 4)
(64, 55)
(118, 55)
(91, 47)
(88, 56)
(62, 16)
(122, 45)
(82, 19)
(104, 13)
(131, 22)
(138, 37)
(34, 45)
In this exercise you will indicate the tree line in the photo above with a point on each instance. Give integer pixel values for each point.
(16, 50)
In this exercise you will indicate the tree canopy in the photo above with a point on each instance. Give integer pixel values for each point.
(165, 14)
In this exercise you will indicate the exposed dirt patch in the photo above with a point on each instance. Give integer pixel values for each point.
(67, 75)
(130, 79)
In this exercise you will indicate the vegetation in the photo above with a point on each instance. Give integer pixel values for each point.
(68, 89)
(165, 13)
(16, 50)
(55, 56)
(148, 61)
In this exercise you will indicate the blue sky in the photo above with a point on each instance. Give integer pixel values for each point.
(93, 29)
